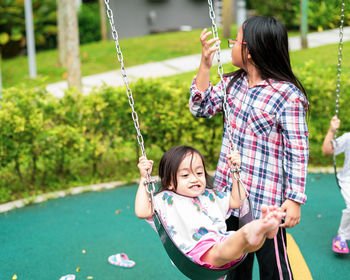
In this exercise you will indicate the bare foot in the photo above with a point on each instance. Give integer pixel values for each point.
(265, 210)
(267, 226)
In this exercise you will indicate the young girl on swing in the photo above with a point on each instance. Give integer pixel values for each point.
(338, 146)
(267, 107)
(195, 215)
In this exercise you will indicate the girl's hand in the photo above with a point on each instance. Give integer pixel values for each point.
(293, 213)
(234, 159)
(208, 50)
(335, 123)
(145, 166)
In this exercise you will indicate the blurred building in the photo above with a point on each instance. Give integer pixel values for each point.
(141, 17)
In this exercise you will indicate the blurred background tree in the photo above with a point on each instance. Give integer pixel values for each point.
(45, 25)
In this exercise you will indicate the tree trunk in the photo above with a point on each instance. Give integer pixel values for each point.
(0, 73)
(60, 164)
(61, 33)
(72, 45)
(227, 18)
(18, 169)
(304, 4)
(34, 168)
(103, 20)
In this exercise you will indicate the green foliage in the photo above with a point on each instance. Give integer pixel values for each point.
(320, 84)
(48, 143)
(285, 10)
(11, 18)
(322, 14)
(12, 23)
(89, 23)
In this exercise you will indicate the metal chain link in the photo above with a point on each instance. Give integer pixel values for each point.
(339, 66)
(225, 106)
(150, 181)
(125, 77)
(337, 91)
(235, 171)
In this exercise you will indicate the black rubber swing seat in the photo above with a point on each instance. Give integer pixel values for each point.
(189, 268)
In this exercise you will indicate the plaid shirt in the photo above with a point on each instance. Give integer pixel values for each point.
(269, 131)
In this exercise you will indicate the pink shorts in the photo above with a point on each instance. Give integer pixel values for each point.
(203, 246)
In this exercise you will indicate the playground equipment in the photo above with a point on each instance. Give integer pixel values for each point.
(181, 261)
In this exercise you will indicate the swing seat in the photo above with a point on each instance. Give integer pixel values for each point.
(189, 268)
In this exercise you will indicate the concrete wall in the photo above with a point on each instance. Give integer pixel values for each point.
(141, 17)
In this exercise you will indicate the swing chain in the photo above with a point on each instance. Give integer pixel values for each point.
(236, 175)
(150, 185)
(339, 66)
(125, 77)
(235, 170)
(225, 106)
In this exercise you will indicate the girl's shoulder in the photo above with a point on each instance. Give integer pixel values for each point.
(164, 194)
(287, 91)
(165, 200)
(212, 194)
(168, 197)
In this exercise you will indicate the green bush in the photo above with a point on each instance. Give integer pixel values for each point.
(89, 23)
(48, 143)
(322, 14)
(320, 84)
(285, 10)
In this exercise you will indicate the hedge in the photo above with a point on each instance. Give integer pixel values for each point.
(48, 143)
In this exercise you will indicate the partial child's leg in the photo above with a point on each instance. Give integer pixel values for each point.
(344, 227)
(339, 242)
(247, 239)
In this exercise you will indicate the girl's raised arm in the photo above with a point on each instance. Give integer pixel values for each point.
(208, 52)
(143, 207)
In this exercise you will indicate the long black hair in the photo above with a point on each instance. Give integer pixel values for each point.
(267, 42)
(170, 162)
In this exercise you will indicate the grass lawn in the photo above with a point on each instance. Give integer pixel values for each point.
(98, 57)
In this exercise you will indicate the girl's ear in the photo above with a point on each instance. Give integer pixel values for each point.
(171, 187)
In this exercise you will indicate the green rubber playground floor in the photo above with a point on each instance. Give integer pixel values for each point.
(46, 241)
